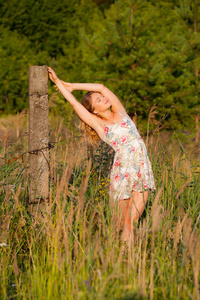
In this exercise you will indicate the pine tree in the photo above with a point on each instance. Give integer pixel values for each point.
(145, 54)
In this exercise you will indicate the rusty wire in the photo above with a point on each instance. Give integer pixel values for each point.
(37, 151)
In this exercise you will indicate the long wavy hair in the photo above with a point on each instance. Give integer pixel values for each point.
(92, 136)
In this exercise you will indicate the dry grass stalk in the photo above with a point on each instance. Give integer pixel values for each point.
(4, 131)
(110, 277)
(155, 212)
(151, 116)
(187, 236)
(19, 121)
(187, 167)
(196, 268)
(178, 229)
(66, 243)
(84, 184)
(151, 285)
(84, 229)
(161, 279)
(183, 187)
(81, 150)
(69, 172)
(16, 196)
(63, 231)
(59, 127)
(4, 226)
(77, 243)
(176, 160)
(16, 269)
(63, 184)
(52, 98)
(144, 257)
(156, 218)
(134, 119)
(139, 256)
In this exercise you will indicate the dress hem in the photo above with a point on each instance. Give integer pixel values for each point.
(140, 191)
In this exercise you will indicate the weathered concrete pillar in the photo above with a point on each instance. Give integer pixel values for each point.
(38, 134)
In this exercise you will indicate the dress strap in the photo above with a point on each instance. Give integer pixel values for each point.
(113, 121)
(103, 123)
(120, 114)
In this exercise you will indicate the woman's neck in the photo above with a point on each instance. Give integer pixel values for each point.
(107, 115)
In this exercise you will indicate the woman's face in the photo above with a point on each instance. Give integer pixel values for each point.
(100, 103)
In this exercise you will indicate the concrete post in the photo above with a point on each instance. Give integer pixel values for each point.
(38, 134)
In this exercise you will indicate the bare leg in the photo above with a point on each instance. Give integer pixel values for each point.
(134, 209)
(123, 207)
(138, 202)
(119, 211)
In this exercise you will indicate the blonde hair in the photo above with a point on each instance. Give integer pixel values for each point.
(92, 136)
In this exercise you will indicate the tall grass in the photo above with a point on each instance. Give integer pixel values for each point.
(74, 251)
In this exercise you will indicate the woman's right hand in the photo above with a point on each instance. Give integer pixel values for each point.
(52, 75)
(68, 85)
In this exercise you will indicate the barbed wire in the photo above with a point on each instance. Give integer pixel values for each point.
(40, 150)
(17, 95)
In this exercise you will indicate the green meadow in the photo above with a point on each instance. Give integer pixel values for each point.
(70, 249)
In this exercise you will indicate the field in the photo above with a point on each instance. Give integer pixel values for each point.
(71, 250)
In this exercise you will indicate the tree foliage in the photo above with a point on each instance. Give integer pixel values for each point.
(146, 51)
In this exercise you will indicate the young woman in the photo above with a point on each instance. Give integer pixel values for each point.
(103, 116)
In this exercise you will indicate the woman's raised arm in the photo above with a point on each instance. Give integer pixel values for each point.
(99, 88)
(82, 112)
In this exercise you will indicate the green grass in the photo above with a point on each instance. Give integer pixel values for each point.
(73, 252)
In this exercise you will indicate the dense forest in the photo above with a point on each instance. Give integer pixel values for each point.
(147, 52)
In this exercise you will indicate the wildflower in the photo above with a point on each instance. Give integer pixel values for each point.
(139, 174)
(3, 245)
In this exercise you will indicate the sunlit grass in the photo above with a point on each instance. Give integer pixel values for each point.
(73, 251)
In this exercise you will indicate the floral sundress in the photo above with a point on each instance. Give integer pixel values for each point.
(131, 168)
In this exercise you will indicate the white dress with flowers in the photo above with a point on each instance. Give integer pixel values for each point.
(131, 168)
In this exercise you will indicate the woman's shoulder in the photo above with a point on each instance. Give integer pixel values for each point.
(121, 113)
